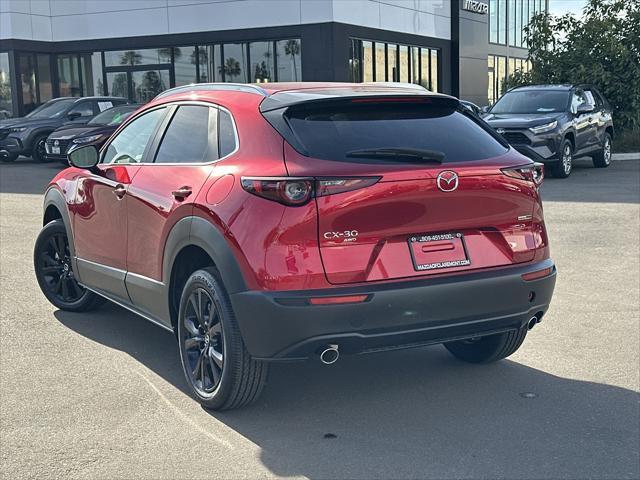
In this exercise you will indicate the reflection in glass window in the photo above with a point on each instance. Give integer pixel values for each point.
(289, 60)
(491, 84)
(381, 71)
(493, 21)
(117, 84)
(130, 144)
(151, 56)
(210, 67)
(415, 65)
(234, 65)
(502, 21)
(44, 78)
(192, 122)
(434, 71)
(403, 60)
(69, 76)
(262, 59)
(355, 60)
(392, 63)
(27, 74)
(147, 84)
(425, 70)
(367, 62)
(6, 107)
(185, 61)
(91, 70)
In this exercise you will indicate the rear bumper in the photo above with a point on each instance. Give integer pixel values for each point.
(283, 326)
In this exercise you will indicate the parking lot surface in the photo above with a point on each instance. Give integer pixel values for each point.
(102, 395)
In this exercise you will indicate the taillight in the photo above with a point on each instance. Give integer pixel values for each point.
(532, 173)
(294, 192)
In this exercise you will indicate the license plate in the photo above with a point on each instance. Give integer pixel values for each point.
(55, 150)
(435, 251)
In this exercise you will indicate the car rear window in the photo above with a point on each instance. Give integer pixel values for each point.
(330, 132)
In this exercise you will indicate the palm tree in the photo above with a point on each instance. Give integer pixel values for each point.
(292, 48)
(131, 57)
(231, 68)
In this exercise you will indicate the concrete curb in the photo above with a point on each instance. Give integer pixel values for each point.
(625, 156)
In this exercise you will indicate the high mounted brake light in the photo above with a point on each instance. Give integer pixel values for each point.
(532, 173)
(293, 192)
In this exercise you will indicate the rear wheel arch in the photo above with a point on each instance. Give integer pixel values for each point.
(194, 244)
(609, 130)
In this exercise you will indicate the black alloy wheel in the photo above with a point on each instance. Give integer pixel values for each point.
(39, 149)
(220, 372)
(54, 271)
(203, 343)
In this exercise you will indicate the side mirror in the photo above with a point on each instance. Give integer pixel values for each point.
(484, 109)
(84, 157)
(585, 108)
(73, 115)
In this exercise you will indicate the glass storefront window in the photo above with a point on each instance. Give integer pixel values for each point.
(118, 84)
(434, 71)
(43, 78)
(234, 65)
(262, 58)
(69, 76)
(491, 83)
(425, 70)
(185, 61)
(502, 24)
(6, 106)
(392, 63)
(381, 71)
(289, 60)
(501, 74)
(150, 56)
(493, 21)
(26, 70)
(403, 57)
(91, 73)
(367, 62)
(147, 84)
(415, 65)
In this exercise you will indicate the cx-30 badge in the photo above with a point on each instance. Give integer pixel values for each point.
(447, 181)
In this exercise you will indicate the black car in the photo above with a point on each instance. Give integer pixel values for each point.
(95, 132)
(27, 135)
(554, 124)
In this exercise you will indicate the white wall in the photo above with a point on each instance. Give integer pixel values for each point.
(60, 20)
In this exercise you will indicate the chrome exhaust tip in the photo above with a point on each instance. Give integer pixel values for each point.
(330, 354)
(533, 321)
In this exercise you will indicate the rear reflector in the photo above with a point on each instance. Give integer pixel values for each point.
(537, 274)
(338, 300)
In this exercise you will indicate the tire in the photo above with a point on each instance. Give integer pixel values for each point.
(564, 167)
(54, 271)
(602, 159)
(208, 333)
(488, 349)
(38, 152)
(9, 159)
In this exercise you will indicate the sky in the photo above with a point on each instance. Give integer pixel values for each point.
(560, 7)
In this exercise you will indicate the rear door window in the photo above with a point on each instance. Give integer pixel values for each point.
(191, 137)
(334, 132)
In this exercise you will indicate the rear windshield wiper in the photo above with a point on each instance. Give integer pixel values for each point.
(398, 153)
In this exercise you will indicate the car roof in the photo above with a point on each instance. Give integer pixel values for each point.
(279, 95)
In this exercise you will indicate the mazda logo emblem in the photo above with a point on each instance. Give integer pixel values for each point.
(56, 143)
(447, 181)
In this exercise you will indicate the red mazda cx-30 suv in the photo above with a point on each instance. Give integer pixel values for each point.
(288, 221)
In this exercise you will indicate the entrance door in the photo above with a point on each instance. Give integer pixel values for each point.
(139, 84)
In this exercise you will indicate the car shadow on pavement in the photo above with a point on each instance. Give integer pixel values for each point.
(410, 414)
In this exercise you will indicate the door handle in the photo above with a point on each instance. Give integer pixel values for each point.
(120, 191)
(182, 193)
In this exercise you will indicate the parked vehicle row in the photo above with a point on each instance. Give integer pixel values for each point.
(28, 135)
(282, 222)
(554, 124)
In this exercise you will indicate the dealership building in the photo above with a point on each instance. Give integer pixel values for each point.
(137, 48)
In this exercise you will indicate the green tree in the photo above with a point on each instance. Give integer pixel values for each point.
(130, 57)
(602, 48)
(231, 68)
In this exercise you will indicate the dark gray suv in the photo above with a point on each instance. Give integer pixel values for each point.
(554, 124)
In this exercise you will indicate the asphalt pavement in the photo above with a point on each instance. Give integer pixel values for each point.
(101, 395)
